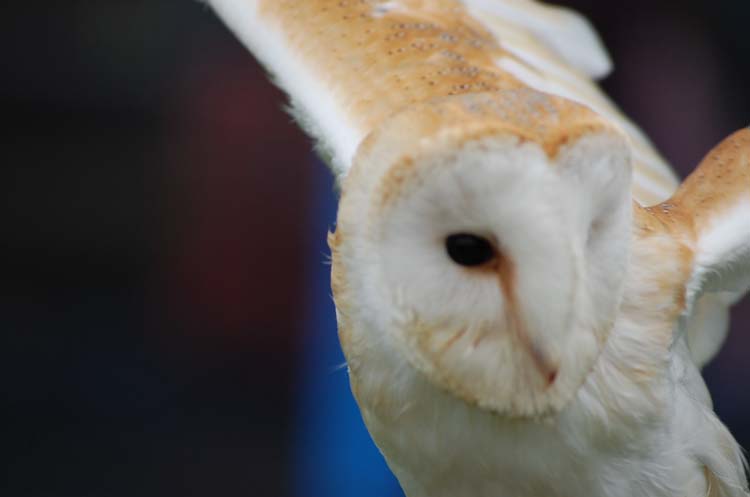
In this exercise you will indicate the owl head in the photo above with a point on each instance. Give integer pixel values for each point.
(485, 238)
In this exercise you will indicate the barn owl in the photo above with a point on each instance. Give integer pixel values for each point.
(525, 295)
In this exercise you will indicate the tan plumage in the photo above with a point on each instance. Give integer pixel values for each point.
(374, 58)
(563, 359)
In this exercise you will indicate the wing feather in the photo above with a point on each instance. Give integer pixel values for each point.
(710, 214)
(347, 65)
(281, 50)
(718, 196)
(563, 31)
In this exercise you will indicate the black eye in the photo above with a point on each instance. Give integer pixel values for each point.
(469, 250)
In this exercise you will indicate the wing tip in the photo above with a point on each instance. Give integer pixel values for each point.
(586, 51)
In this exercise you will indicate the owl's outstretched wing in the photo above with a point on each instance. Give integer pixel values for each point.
(718, 192)
(347, 65)
(710, 215)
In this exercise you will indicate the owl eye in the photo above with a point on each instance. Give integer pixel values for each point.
(469, 250)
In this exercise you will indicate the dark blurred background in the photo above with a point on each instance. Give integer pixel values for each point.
(167, 323)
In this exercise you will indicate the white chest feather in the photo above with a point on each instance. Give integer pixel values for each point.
(617, 439)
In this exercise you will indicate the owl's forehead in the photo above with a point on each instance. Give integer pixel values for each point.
(531, 115)
(419, 141)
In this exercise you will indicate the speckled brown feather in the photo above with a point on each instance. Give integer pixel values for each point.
(379, 62)
(717, 184)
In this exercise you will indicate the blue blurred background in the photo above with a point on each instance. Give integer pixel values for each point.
(168, 329)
